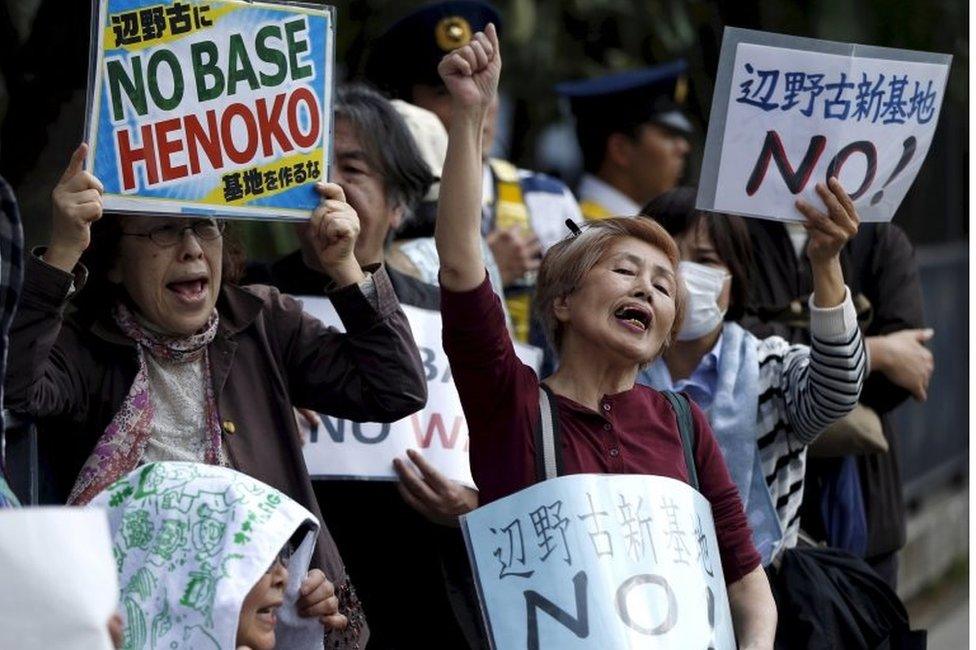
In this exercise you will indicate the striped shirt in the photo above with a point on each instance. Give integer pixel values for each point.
(802, 390)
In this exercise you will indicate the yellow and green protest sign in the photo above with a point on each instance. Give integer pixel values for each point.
(216, 107)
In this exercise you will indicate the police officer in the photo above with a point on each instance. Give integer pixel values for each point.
(525, 212)
(633, 136)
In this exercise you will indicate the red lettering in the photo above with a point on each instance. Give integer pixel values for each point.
(129, 156)
(436, 424)
(245, 155)
(867, 150)
(304, 140)
(233, 135)
(199, 140)
(167, 148)
(269, 126)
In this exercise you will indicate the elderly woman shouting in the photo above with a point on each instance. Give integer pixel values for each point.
(612, 302)
(163, 358)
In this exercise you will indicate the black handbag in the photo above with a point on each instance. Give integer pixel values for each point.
(828, 599)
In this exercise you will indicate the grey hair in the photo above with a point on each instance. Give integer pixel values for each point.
(387, 143)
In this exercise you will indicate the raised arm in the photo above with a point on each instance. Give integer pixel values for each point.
(471, 76)
(822, 383)
(828, 234)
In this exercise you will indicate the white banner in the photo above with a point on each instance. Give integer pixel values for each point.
(61, 586)
(790, 112)
(600, 561)
(345, 449)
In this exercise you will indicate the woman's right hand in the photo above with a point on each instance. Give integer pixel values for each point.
(471, 73)
(77, 200)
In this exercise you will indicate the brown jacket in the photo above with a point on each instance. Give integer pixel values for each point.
(268, 356)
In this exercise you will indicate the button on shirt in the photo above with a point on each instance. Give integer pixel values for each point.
(633, 432)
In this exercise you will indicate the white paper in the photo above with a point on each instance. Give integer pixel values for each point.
(866, 114)
(59, 582)
(345, 449)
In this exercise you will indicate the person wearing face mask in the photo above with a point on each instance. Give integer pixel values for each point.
(766, 400)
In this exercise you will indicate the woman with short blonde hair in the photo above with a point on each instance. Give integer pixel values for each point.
(612, 301)
(568, 261)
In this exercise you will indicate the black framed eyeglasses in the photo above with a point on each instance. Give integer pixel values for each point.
(170, 234)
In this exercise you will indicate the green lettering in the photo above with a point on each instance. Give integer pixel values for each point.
(158, 57)
(203, 69)
(296, 47)
(239, 68)
(119, 82)
(271, 55)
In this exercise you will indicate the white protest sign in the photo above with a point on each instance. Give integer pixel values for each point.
(60, 585)
(600, 561)
(790, 112)
(345, 449)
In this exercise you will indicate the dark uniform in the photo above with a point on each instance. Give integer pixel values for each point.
(408, 54)
(620, 103)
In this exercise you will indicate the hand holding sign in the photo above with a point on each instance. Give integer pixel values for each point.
(471, 72)
(828, 234)
(77, 202)
(333, 232)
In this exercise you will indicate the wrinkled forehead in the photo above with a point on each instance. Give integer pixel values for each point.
(638, 252)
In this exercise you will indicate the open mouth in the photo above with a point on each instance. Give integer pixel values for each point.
(189, 290)
(269, 614)
(634, 317)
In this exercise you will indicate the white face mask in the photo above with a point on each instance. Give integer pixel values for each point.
(704, 285)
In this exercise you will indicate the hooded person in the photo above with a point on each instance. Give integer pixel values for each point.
(208, 557)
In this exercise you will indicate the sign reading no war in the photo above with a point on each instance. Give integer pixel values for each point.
(600, 561)
(439, 431)
(215, 107)
(790, 112)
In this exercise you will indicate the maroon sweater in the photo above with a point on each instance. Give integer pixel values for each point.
(636, 431)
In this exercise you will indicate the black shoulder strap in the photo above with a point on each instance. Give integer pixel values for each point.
(686, 426)
(548, 439)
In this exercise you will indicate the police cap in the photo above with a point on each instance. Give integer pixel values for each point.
(410, 50)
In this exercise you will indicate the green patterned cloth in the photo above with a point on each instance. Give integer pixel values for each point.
(190, 541)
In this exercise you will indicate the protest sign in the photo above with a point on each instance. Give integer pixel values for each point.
(600, 561)
(344, 449)
(60, 582)
(211, 107)
(790, 112)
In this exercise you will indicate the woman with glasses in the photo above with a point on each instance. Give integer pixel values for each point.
(162, 357)
(610, 299)
(209, 558)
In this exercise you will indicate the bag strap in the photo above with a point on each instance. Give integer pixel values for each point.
(548, 439)
(686, 427)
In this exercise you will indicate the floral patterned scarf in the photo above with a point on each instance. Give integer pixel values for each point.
(121, 447)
